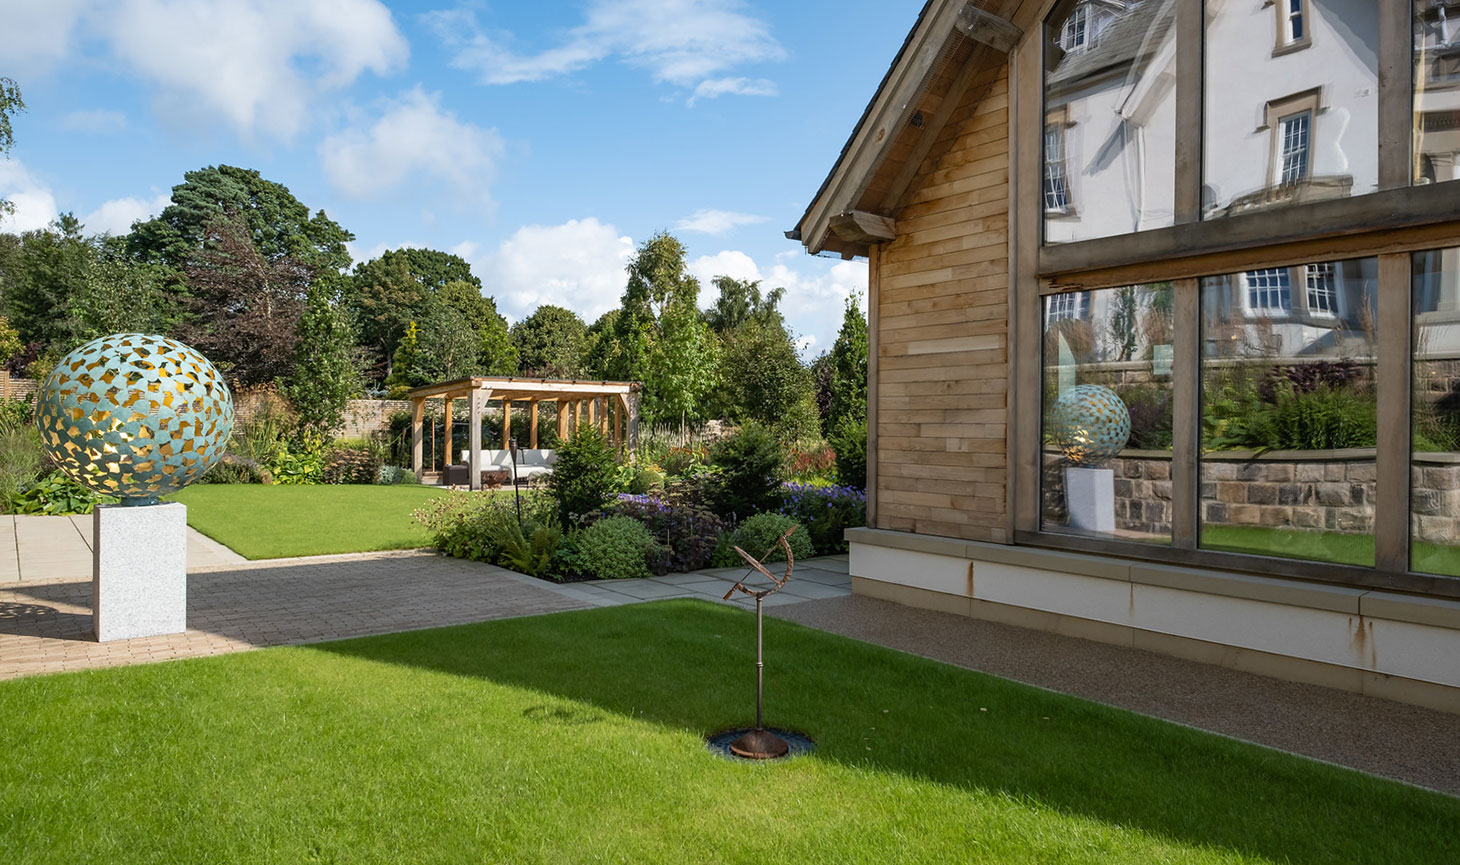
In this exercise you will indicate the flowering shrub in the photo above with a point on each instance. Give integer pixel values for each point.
(825, 511)
(350, 465)
(686, 533)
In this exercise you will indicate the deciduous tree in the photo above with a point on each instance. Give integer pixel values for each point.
(551, 343)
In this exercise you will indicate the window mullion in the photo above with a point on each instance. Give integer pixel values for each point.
(1189, 71)
(1391, 507)
(1185, 411)
(1396, 97)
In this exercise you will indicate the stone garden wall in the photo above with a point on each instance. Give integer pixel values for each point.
(1327, 491)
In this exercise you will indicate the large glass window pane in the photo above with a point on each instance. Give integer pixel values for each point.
(1292, 103)
(1110, 120)
(1435, 463)
(1107, 413)
(1436, 89)
(1289, 415)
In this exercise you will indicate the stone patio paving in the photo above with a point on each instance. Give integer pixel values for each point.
(234, 604)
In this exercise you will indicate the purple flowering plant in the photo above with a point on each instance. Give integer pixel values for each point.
(825, 512)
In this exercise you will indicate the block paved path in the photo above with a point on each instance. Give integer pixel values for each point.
(45, 626)
(234, 604)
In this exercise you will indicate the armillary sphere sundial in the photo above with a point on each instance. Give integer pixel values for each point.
(760, 743)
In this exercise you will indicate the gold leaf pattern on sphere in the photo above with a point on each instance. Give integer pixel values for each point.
(118, 413)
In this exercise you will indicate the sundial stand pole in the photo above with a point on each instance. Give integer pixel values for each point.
(759, 665)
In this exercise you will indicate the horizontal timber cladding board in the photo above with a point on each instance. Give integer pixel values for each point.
(951, 474)
(935, 327)
(993, 244)
(955, 313)
(893, 358)
(952, 222)
(966, 234)
(937, 444)
(997, 194)
(942, 387)
(981, 174)
(996, 267)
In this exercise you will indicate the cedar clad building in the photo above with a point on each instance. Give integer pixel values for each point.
(1164, 305)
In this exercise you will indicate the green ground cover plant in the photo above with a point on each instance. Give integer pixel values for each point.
(480, 744)
(275, 521)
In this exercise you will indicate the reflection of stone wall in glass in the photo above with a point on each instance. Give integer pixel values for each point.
(134, 416)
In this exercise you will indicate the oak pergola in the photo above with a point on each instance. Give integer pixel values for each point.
(612, 405)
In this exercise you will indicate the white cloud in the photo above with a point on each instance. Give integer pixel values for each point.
(100, 121)
(261, 65)
(39, 33)
(686, 43)
(717, 221)
(35, 206)
(578, 265)
(412, 139)
(816, 289)
(360, 254)
(713, 87)
(116, 216)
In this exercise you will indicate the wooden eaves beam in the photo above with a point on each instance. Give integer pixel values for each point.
(986, 28)
(861, 227)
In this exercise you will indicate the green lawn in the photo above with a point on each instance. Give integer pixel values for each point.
(1324, 547)
(272, 521)
(578, 738)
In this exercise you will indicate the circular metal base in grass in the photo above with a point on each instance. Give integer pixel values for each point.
(752, 745)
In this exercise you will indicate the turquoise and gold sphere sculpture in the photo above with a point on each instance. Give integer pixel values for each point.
(134, 416)
(1089, 424)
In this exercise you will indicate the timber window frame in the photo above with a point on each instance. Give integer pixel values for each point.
(1400, 217)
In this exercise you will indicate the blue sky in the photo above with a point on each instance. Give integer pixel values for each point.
(540, 141)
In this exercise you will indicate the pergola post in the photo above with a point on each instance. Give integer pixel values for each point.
(506, 421)
(532, 430)
(592, 411)
(631, 399)
(448, 461)
(418, 414)
(560, 409)
(602, 416)
(618, 427)
(475, 400)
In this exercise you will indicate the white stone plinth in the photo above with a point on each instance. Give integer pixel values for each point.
(1090, 499)
(139, 577)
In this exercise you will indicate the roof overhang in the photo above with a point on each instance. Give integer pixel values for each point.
(950, 43)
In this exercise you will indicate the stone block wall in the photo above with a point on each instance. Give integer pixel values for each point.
(1336, 496)
(1321, 494)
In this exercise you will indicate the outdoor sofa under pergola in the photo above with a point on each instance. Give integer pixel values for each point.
(612, 405)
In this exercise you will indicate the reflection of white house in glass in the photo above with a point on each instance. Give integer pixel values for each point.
(1291, 114)
(1109, 120)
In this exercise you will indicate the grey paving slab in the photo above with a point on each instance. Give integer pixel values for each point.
(648, 590)
(809, 589)
(47, 627)
(817, 575)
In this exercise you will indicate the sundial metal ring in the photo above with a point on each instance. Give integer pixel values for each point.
(134, 415)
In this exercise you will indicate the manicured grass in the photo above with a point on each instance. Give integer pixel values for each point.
(1324, 547)
(274, 521)
(578, 738)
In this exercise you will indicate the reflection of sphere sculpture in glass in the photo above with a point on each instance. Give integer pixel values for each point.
(134, 416)
(1089, 424)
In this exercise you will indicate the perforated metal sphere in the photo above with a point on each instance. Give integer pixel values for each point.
(1089, 424)
(134, 415)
